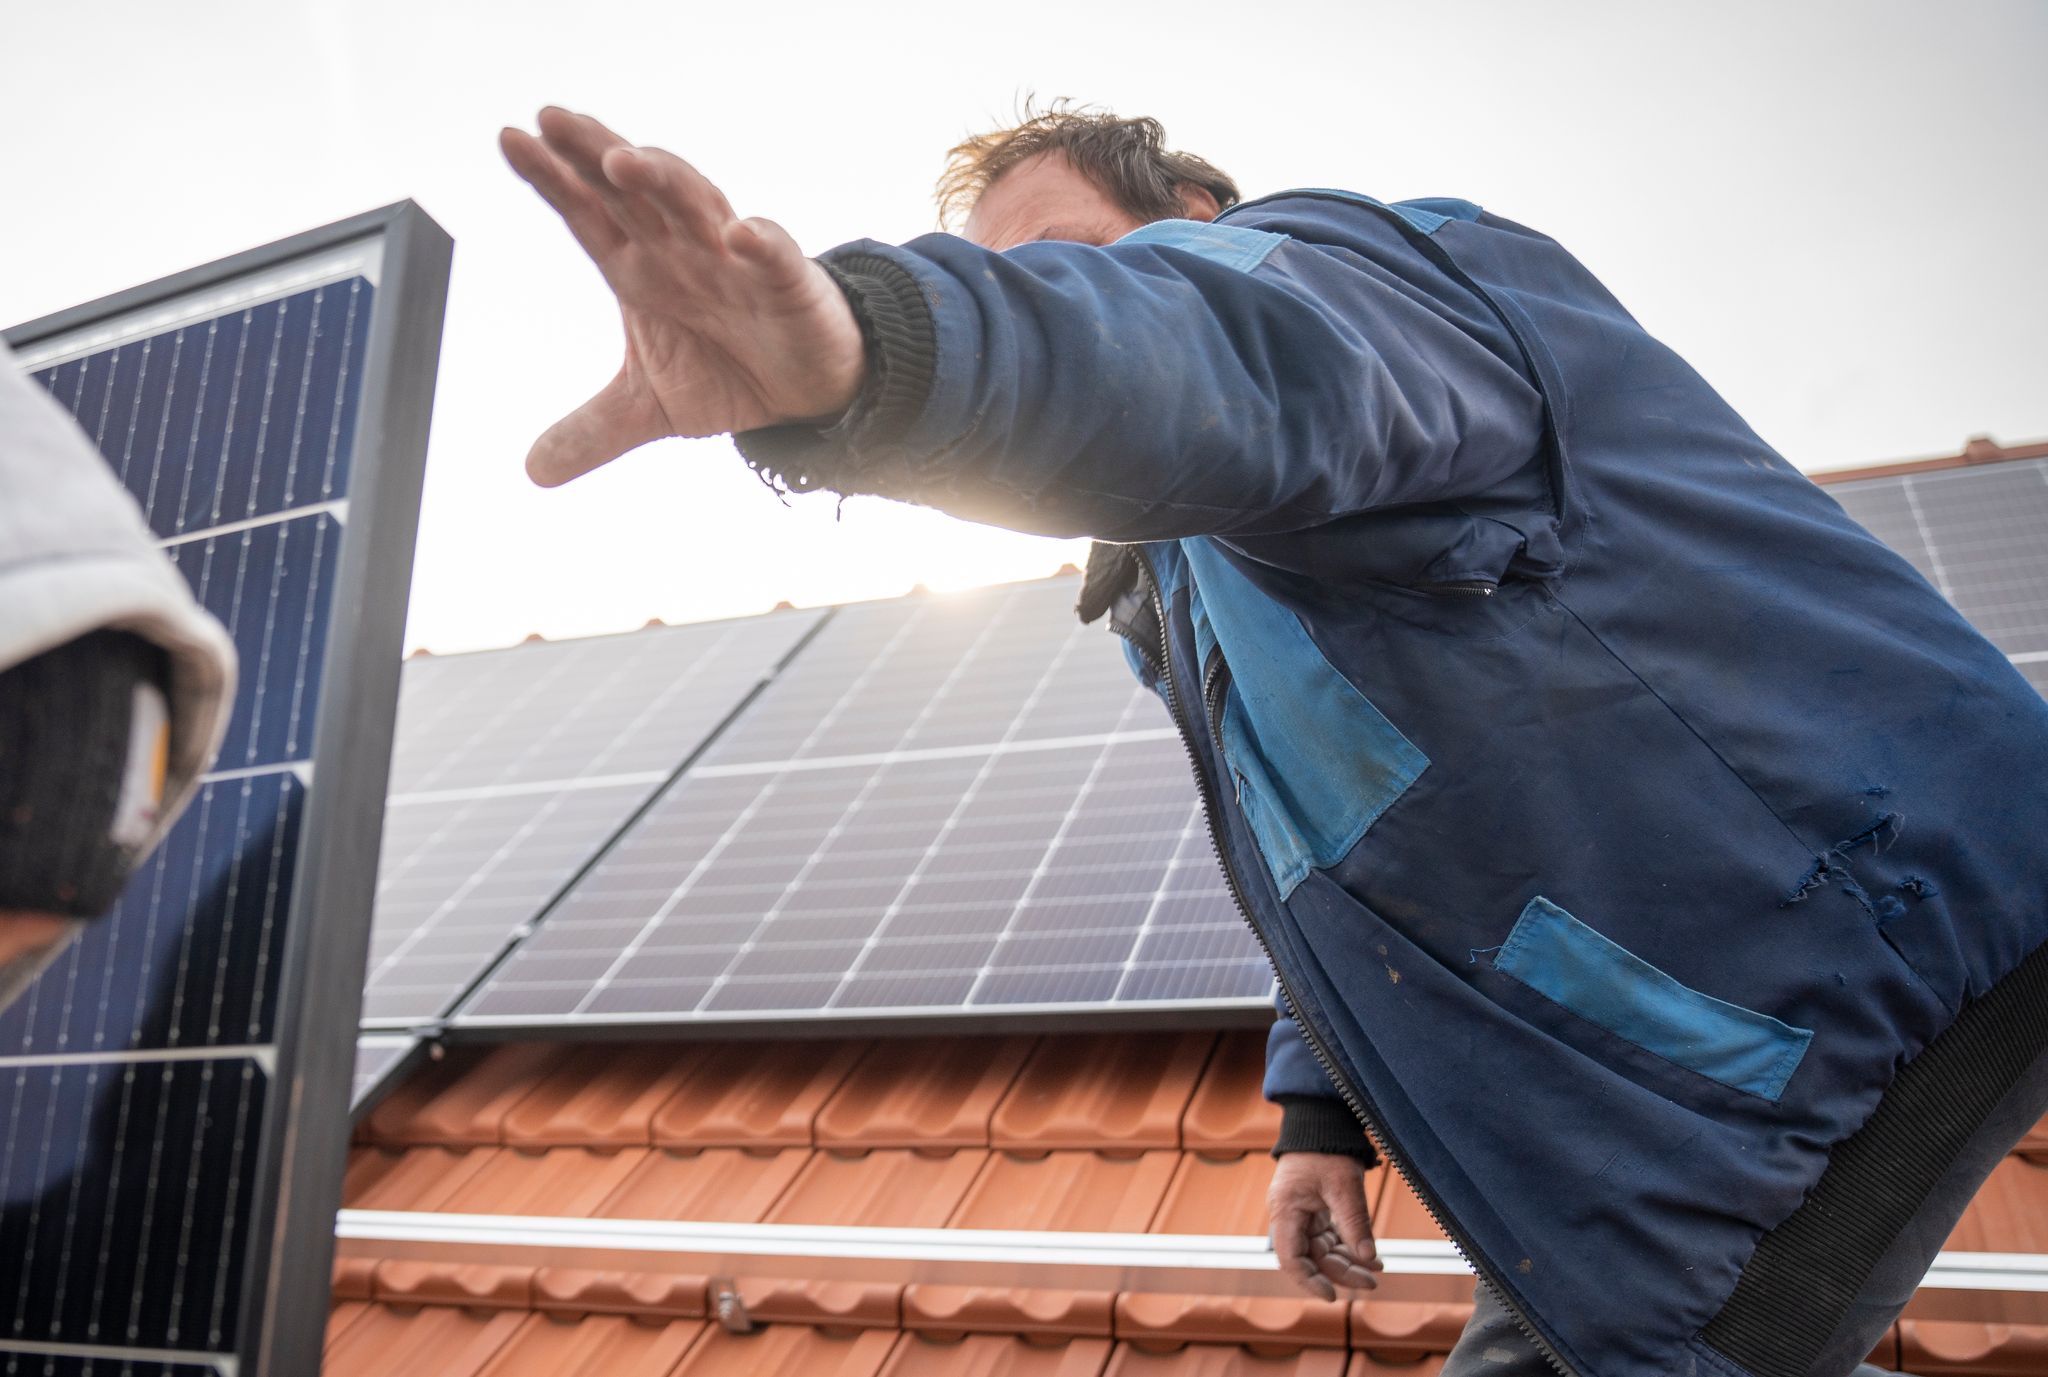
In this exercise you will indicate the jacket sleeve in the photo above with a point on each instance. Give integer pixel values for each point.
(1312, 1116)
(1187, 380)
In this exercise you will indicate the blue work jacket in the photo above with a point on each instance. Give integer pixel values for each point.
(1619, 816)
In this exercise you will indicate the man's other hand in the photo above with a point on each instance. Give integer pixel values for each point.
(728, 325)
(1321, 1227)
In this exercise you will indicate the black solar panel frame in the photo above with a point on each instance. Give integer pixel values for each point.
(303, 1144)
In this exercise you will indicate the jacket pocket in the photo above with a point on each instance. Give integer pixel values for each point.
(1575, 967)
(1312, 762)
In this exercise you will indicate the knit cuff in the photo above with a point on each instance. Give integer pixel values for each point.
(1313, 1123)
(855, 452)
(66, 779)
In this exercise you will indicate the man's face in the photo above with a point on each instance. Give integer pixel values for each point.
(1046, 197)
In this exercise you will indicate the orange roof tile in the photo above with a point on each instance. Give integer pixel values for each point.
(753, 1095)
(887, 1186)
(787, 1350)
(352, 1278)
(601, 1346)
(2034, 1147)
(995, 1355)
(1405, 1330)
(476, 1286)
(1365, 1365)
(461, 1100)
(603, 1095)
(827, 1304)
(1979, 449)
(564, 1181)
(1007, 1310)
(1934, 1348)
(430, 1341)
(341, 1317)
(923, 1092)
(2010, 1213)
(576, 1291)
(1067, 1190)
(1113, 1132)
(1069, 1095)
(415, 1178)
(1216, 1195)
(1399, 1213)
(1222, 1360)
(1261, 1320)
(714, 1185)
(1227, 1111)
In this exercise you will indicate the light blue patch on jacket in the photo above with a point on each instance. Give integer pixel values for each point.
(1314, 763)
(1611, 987)
(1231, 245)
(1427, 214)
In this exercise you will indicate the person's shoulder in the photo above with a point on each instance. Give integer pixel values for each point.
(1347, 210)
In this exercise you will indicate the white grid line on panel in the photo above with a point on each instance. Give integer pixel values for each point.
(967, 796)
(839, 824)
(539, 786)
(741, 819)
(363, 259)
(1003, 746)
(1941, 578)
(1196, 826)
(334, 507)
(1038, 874)
(1022, 1008)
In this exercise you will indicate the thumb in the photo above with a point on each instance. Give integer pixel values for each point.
(619, 418)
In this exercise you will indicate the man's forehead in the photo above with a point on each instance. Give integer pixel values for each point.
(1043, 197)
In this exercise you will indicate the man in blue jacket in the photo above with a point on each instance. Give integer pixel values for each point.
(1649, 859)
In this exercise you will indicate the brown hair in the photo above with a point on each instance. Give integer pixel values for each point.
(1127, 158)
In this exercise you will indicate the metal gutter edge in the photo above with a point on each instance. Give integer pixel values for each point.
(1995, 1287)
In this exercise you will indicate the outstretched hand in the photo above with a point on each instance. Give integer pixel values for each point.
(1321, 1226)
(728, 325)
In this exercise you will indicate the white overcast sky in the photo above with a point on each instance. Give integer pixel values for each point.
(1836, 211)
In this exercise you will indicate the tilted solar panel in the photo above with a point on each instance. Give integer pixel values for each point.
(174, 1091)
(513, 767)
(1980, 535)
(942, 805)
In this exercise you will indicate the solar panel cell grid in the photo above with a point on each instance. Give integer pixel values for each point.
(232, 418)
(141, 1149)
(514, 767)
(941, 803)
(1978, 536)
(239, 419)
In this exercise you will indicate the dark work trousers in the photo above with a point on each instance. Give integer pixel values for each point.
(1494, 1346)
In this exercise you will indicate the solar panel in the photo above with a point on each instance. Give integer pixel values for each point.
(1980, 535)
(379, 1058)
(513, 767)
(173, 1090)
(942, 805)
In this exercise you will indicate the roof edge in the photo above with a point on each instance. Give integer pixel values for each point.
(1978, 449)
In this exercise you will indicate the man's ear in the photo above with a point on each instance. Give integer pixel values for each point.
(1200, 205)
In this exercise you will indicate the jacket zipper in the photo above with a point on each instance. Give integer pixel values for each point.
(1360, 1105)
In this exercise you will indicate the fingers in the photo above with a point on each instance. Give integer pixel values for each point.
(680, 193)
(586, 215)
(1352, 1220)
(1290, 1237)
(582, 143)
(1337, 1261)
(619, 418)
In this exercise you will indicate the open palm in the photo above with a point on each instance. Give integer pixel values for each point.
(728, 326)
